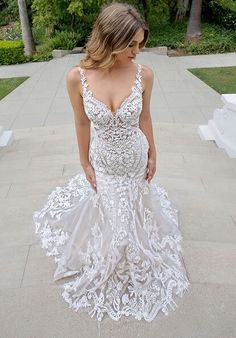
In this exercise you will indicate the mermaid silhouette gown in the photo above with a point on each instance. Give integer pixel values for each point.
(120, 247)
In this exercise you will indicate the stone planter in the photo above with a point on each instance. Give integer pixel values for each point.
(58, 53)
(161, 50)
(222, 128)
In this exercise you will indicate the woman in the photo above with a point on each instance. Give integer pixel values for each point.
(112, 230)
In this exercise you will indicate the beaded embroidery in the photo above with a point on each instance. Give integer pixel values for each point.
(121, 245)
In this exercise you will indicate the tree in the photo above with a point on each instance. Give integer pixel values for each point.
(194, 22)
(182, 7)
(27, 36)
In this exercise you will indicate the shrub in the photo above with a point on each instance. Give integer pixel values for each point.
(12, 32)
(69, 15)
(11, 52)
(8, 11)
(65, 40)
(214, 39)
(222, 12)
(169, 35)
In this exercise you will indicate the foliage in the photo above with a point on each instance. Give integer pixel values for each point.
(169, 35)
(155, 12)
(12, 32)
(11, 52)
(158, 13)
(222, 12)
(8, 11)
(65, 40)
(64, 24)
(38, 34)
(214, 39)
(43, 52)
(59, 15)
(79, 15)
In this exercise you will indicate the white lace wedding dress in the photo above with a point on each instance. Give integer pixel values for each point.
(120, 247)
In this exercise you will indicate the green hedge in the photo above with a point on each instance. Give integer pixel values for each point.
(222, 12)
(11, 52)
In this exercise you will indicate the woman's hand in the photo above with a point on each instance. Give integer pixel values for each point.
(151, 168)
(90, 175)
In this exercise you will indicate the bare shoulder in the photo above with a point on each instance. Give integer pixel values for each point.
(148, 77)
(147, 73)
(73, 78)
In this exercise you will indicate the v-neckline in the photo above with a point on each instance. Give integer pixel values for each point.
(114, 114)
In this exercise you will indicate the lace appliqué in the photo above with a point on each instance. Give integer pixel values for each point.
(121, 245)
(140, 270)
(118, 145)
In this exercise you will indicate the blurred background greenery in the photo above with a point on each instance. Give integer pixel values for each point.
(65, 24)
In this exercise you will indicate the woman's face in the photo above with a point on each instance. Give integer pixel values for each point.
(132, 50)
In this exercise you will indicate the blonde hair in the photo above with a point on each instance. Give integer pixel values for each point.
(112, 32)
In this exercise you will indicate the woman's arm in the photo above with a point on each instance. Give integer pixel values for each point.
(82, 122)
(145, 121)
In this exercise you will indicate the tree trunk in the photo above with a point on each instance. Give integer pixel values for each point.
(29, 45)
(182, 9)
(194, 22)
(145, 8)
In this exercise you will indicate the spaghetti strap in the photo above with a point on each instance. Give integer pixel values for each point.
(138, 80)
(119, 245)
(138, 77)
(82, 78)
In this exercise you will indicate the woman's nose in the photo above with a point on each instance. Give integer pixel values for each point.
(136, 49)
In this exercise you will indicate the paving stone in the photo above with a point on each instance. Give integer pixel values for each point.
(70, 170)
(212, 301)
(200, 224)
(181, 183)
(4, 188)
(39, 268)
(28, 175)
(202, 201)
(12, 264)
(15, 237)
(28, 120)
(37, 188)
(210, 262)
(40, 312)
(198, 176)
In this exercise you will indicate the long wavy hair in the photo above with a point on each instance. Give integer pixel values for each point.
(112, 32)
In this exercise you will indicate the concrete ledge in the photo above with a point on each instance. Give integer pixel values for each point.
(161, 50)
(58, 53)
(77, 50)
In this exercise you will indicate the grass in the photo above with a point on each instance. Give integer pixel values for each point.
(221, 79)
(8, 85)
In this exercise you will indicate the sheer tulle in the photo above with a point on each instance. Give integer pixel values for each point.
(120, 246)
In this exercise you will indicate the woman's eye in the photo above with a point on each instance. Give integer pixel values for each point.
(131, 45)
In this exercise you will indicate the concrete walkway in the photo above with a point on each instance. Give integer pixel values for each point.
(199, 177)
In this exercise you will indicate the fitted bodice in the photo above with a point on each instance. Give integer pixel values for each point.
(120, 244)
(126, 115)
(118, 146)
